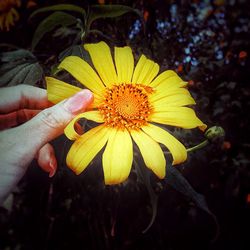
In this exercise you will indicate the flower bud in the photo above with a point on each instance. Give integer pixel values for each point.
(215, 133)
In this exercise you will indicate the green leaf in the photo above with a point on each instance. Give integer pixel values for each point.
(11, 59)
(76, 50)
(144, 174)
(19, 67)
(101, 34)
(15, 55)
(60, 7)
(51, 22)
(104, 11)
(175, 179)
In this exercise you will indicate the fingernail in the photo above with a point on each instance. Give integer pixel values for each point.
(79, 101)
(52, 168)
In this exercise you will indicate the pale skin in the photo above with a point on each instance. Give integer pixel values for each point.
(28, 122)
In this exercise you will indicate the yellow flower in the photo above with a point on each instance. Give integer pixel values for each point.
(128, 101)
(8, 13)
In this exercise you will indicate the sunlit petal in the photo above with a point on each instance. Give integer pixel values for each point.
(162, 94)
(162, 77)
(117, 157)
(97, 100)
(145, 71)
(151, 152)
(174, 100)
(160, 135)
(101, 57)
(70, 131)
(177, 116)
(83, 72)
(86, 147)
(58, 90)
(124, 62)
(166, 81)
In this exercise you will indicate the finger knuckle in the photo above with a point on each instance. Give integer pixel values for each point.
(50, 119)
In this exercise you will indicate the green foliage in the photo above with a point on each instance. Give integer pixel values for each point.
(144, 174)
(60, 7)
(83, 23)
(18, 67)
(75, 50)
(176, 180)
(54, 20)
(109, 11)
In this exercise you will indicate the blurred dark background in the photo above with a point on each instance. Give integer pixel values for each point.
(207, 43)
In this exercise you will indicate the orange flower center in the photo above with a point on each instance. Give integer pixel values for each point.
(126, 106)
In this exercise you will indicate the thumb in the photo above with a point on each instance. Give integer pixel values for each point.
(50, 122)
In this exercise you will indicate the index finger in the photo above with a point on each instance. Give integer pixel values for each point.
(23, 97)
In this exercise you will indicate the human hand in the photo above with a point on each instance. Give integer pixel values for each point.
(40, 123)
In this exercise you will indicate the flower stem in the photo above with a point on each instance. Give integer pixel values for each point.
(194, 148)
(199, 146)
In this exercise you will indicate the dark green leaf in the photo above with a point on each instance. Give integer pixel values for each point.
(15, 75)
(64, 31)
(60, 7)
(76, 50)
(104, 11)
(178, 181)
(18, 67)
(144, 174)
(101, 34)
(22, 74)
(34, 74)
(51, 22)
(15, 55)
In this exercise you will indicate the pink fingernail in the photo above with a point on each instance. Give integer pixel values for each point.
(79, 101)
(52, 168)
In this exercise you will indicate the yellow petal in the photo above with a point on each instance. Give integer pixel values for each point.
(177, 116)
(166, 81)
(85, 148)
(145, 71)
(101, 57)
(117, 157)
(151, 152)
(97, 101)
(162, 77)
(175, 100)
(83, 72)
(70, 131)
(163, 93)
(58, 90)
(160, 135)
(124, 62)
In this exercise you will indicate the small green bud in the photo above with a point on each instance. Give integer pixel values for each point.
(215, 133)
